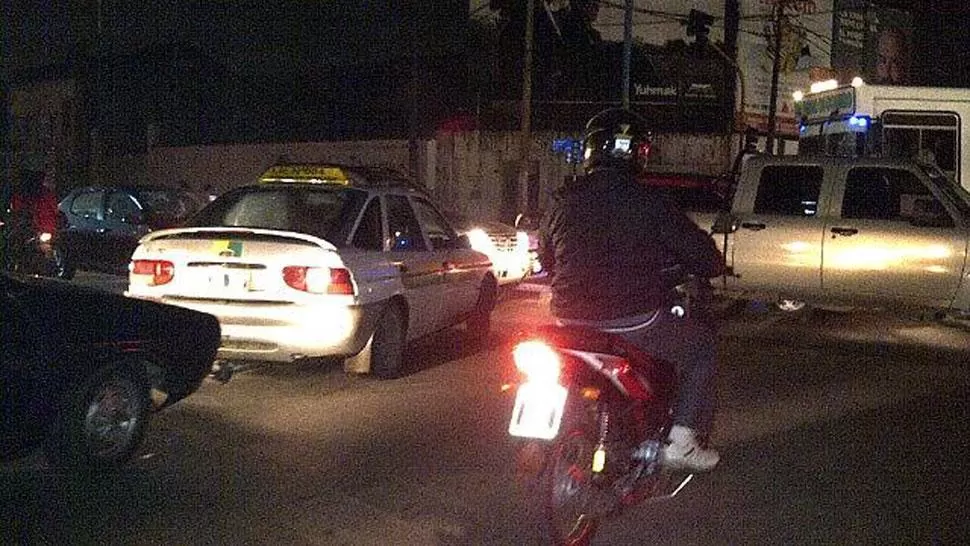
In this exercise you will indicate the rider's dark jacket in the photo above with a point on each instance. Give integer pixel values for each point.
(606, 238)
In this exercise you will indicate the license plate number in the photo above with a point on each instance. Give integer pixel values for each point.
(538, 411)
(217, 280)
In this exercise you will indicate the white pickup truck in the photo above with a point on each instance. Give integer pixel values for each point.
(845, 232)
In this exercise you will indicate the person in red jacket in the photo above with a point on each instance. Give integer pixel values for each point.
(33, 209)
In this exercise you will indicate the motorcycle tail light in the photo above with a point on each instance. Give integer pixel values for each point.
(538, 361)
(157, 272)
(319, 280)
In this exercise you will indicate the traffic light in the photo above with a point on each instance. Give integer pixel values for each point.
(699, 24)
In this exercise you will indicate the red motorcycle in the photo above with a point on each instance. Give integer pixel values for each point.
(591, 413)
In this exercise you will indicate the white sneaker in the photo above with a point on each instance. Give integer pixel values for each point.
(683, 453)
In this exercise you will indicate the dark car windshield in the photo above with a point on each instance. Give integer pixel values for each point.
(169, 203)
(325, 212)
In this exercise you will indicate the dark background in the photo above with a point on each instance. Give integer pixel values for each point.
(247, 71)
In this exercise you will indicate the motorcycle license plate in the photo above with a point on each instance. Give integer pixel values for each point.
(538, 411)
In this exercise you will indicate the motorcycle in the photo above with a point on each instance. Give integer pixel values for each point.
(36, 253)
(591, 416)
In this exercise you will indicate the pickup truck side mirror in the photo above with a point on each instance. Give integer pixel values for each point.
(928, 212)
(725, 222)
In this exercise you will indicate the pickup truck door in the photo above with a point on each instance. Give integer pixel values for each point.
(777, 240)
(891, 238)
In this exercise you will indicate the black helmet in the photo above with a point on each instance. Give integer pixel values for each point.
(616, 138)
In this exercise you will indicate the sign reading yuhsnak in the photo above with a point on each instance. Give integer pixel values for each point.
(227, 249)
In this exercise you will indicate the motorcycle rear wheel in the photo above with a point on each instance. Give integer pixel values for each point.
(568, 494)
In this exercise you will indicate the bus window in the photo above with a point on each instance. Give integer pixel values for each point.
(928, 136)
(942, 144)
(901, 142)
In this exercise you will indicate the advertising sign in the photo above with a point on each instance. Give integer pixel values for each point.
(694, 85)
(871, 42)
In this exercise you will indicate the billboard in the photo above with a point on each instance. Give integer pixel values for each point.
(667, 70)
(874, 43)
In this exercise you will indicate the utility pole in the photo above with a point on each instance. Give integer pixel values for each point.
(779, 17)
(526, 130)
(732, 21)
(627, 52)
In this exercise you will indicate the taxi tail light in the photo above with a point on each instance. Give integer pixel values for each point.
(160, 271)
(319, 280)
(538, 361)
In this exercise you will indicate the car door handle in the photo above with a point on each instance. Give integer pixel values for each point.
(448, 265)
(847, 232)
(753, 226)
(401, 267)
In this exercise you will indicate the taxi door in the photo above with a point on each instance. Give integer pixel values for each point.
(460, 273)
(419, 266)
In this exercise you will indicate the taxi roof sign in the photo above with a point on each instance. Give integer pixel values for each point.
(307, 173)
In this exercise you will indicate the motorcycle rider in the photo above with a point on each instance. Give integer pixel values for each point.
(33, 207)
(606, 240)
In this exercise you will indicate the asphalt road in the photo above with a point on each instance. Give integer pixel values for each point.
(834, 429)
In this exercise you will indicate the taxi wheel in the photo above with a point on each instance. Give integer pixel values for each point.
(387, 345)
(480, 322)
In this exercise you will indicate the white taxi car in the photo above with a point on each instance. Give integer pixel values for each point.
(320, 261)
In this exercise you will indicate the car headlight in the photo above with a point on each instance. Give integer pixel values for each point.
(481, 241)
(522, 243)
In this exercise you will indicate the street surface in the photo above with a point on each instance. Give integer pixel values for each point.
(834, 428)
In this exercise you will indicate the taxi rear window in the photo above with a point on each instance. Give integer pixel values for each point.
(325, 212)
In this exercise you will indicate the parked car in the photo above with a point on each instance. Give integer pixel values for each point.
(507, 247)
(691, 192)
(82, 370)
(320, 261)
(105, 223)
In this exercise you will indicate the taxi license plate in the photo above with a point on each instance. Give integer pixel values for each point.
(222, 281)
(538, 411)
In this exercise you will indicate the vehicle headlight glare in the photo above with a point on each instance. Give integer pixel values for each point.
(481, 241)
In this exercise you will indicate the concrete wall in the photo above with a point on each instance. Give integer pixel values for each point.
(475, 172)
(220, 168)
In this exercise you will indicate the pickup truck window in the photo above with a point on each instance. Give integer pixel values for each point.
(789, 190)
(879, 193)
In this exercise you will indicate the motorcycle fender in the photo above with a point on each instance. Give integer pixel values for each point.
(530, 458)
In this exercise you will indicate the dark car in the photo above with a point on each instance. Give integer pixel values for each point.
(82, 370)
(104, 223)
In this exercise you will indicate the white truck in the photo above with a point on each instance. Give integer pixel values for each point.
(860, 120)
(846, 232)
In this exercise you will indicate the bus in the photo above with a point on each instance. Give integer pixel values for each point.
(928, 124)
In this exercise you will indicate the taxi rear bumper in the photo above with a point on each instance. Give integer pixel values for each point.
(285, 332)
